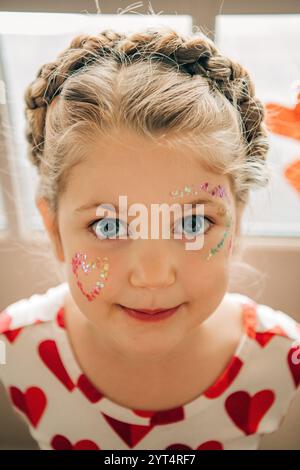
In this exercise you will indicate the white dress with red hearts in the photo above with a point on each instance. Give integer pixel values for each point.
(63, 410)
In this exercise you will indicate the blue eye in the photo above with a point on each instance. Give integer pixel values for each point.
(110, 228)
(194, 224)
(107, 227)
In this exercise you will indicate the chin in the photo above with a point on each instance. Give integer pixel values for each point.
(145, 342)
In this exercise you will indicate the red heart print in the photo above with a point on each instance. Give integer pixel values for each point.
(60, 317)
(208, 445)
(32, 403)
(5, 322)
(144, 413)
(178, 446)
(88, 389)
(79, 260)
(130, 433)
(60, 442)
(168, 416)
(226, 379)
(293, 359)
(263, 338)
(50, 356)
(246, 411)
(172, 415)
(11, 335)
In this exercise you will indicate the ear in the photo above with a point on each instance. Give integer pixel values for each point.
(51, 226)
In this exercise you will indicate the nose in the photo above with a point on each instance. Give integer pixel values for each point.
(153, 265)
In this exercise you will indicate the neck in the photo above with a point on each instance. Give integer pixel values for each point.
(199, 345)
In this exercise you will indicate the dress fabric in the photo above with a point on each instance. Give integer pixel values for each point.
(65, 411)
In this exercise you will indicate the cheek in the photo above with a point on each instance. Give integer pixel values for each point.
(202, 278)
(206, 284)
(97, 276)
(90, 273)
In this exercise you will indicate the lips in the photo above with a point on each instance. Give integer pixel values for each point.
(150, 315)
(151, 312)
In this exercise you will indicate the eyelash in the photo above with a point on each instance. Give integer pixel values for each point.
(92, 232)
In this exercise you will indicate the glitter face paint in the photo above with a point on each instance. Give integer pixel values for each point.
(218, 191)
(222, 211)
(79, 260)
(214, 250)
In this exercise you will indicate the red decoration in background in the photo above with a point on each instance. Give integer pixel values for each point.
(292, 174)
(284, 121)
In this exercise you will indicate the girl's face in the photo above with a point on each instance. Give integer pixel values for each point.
(144, 273)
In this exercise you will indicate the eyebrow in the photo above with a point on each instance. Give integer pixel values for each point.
(215, 203)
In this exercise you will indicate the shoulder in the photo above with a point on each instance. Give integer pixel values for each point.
(28, 331)
(264, 323)
(272, 349)
(272, 360)
(36, 309)
(25, 325)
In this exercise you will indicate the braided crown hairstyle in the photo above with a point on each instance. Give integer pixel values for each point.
(157, 83)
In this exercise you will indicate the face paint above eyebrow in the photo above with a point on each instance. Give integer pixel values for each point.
(79, 260)
(218, 191)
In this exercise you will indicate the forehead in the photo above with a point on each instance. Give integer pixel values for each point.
(125, 163)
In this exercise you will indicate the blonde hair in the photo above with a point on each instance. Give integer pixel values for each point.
(159, 84)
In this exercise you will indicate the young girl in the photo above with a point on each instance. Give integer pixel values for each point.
(142, 346)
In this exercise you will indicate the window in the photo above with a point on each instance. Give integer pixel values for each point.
(268, 47)
(29, 40)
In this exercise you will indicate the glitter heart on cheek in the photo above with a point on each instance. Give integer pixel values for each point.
(79, 260)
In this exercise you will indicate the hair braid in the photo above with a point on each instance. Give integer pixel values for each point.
(199, 56)
(82, 51)
(196, 56)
